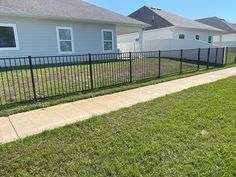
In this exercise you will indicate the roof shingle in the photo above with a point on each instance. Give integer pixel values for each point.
(158, 18)
(179, 21)
(219, 23)
(65, 9)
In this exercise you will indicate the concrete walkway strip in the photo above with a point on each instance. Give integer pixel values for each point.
(33, 122)
(7, 131)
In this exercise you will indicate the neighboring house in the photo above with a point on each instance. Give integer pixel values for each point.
(228, 38)
(167, 31)
(60, 27)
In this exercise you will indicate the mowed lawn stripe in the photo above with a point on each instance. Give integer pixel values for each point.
(190, 133)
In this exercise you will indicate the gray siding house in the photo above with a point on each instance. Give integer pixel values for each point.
(59, 27)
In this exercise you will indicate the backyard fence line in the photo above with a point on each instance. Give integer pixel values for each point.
(34, 78)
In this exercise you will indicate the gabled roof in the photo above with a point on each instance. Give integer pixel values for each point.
(216, 22)
(65, 9)
(168, 19)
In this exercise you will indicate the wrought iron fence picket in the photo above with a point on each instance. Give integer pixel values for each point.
(35, 78)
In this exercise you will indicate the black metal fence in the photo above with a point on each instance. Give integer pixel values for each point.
(230, 57)
(34, 78)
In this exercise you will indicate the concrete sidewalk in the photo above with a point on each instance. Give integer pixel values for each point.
(29, 123)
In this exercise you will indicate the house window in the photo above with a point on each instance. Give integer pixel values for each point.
(8, 37)
(209, 39)
(197, 37)
(107, 38)
(65, 40)
(181, 36)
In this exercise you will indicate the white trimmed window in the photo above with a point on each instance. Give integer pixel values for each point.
(197, 37)
(209, 39)
(181, 36)
(8, 37)
(107, 38)
(65, 40)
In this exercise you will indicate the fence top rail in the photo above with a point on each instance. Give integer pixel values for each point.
(193, 49)
(59, 56)
(107, 54)
(231, 47)
(111, 54)
(163, 51)
(11, 58)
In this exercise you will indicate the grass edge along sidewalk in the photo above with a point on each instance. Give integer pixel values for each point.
(35, 78)
(189, 133)
(23, 107)
(19, 126)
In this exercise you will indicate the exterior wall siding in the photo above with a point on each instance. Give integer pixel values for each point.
(191, 33)
(175, 44)
(228, 40)
(38, 37)
(165, 39)
(128, 43)
(148, 16)
(165, 33)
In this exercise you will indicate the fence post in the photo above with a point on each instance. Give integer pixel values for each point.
(32, 78)
(235, 55)
(216, 56)
(159, 64)
(181, 61)
(130, 67)
(208, 57)
(198, 59)
(91, 71)
(223, 56)
(226, 55)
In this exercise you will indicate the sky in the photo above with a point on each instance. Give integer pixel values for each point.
(192, 9)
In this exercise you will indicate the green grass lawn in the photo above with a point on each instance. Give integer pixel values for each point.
(57, 79)
(190, 133)
(231, 58)
(10, 109)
